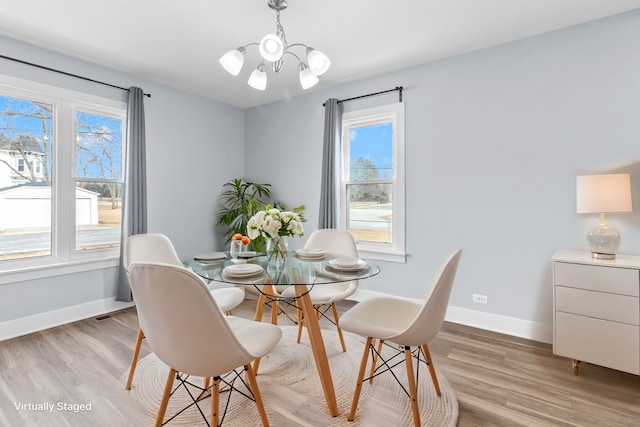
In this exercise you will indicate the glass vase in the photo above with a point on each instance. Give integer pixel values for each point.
(277, 251)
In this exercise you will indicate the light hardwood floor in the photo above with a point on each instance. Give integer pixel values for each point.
(499, 380)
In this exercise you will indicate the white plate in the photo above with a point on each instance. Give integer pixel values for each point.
(242, 270)
(311, 253)
(213, 256)
(347, 264)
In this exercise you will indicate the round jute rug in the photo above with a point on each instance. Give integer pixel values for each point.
(293, 396)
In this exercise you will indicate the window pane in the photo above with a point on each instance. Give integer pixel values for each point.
(98, 215)
(371, 152)
(370, 212)
(25, 178)
(98, 146)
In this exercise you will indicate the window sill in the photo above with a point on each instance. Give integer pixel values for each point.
(399, 257)
(41, 271)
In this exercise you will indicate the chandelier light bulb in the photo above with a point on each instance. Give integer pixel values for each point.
(271, 47)
(319, 63)
(233, 60)
(307, 78)
(258, 79)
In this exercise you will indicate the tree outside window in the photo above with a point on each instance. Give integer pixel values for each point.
(34, 149)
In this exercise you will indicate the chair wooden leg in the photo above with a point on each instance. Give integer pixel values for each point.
(300, 320)
(335, 318)
(205, 386)
(274, 312)
(374, 361)
(356, 393)
(215, 402)
(134, 360)
(165, 397)
(412, 386)
(228, 312)
(260, 308)
(432, 369)
(250, 376)
(256, 365)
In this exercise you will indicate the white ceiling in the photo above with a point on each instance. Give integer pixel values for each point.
(178, 42)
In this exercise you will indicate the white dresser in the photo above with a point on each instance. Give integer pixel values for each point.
(596, 310)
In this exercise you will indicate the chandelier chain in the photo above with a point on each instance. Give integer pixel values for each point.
(280, 30)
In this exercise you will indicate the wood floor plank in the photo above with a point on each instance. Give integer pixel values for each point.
(499, 380)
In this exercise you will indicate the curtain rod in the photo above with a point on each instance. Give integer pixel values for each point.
(397, 88)
(67, 74)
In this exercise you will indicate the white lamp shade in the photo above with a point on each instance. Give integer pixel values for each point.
(258, 79)
(232, 61)
(271, 47)
(307, 78)
(319, 63)
(608, 193)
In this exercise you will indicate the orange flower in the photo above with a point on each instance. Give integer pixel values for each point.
(245, 240)
(237, 236)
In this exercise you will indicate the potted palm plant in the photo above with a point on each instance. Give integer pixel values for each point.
(238, 202)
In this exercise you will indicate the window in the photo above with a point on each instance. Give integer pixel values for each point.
(372, 183)
(61, 159)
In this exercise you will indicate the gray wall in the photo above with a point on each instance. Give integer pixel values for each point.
(494, 140)
(189, 142)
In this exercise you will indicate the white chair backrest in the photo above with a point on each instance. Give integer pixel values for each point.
(339, 242)
(150, 247)
(183, 324)
(431, 317)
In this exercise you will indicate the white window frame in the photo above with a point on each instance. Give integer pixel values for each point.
(64, 258)
(394, 113)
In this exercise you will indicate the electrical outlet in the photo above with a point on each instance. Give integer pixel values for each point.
(479, 299)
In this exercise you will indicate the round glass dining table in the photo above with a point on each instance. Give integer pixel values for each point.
(296, 271)
(301, 273)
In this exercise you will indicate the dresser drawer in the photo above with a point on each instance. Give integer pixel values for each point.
(611, 344)
(618, 308)
(623, 281)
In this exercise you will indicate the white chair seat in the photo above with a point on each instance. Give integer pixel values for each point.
(325, 294)
(228, 298)
(256, 338)
(383, 318)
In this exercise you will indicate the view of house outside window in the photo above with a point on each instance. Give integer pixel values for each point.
(50, 154)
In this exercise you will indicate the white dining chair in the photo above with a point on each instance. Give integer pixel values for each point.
(405, 323)
(156, 247)
(323, 297)
(187, 331)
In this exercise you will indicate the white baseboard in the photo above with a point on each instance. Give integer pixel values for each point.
(488, 321)
(502, 324)
(39, 322)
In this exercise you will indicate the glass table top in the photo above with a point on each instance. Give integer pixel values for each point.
(296, 271)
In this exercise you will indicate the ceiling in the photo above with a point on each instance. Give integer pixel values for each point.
(178, 43)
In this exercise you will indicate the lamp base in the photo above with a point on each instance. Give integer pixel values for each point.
(598, 255)
(603, 240)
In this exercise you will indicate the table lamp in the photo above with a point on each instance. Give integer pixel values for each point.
(603, 194)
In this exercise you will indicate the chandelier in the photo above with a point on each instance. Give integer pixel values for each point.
(272, 48)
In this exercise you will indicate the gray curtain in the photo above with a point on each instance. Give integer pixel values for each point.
(328, 217)
(134, 193)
